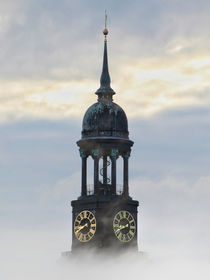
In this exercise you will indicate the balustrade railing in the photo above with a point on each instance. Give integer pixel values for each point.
(106, 188)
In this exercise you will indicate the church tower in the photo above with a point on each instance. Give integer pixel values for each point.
(104, 216)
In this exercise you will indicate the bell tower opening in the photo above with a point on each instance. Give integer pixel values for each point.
(119, 188)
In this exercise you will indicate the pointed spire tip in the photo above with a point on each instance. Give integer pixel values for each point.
(105, 31)
(105, 90)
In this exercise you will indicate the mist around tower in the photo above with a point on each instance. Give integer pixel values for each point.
(158, 54)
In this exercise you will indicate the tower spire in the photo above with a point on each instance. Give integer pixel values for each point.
(105, 90)
(105, 27)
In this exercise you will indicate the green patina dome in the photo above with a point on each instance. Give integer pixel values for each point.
(105, 120)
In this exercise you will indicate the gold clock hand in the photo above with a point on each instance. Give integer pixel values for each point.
(81, 227)
(118, 230)
(122, 227)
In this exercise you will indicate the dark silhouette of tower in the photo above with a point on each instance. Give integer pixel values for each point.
(104, 216)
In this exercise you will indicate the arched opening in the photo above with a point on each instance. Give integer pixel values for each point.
(119, 186)
(101, 171)
(90, 168)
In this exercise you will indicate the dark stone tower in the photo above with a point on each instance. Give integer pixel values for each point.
(104, 216)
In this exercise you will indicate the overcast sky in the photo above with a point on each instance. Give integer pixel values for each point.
(159, 62)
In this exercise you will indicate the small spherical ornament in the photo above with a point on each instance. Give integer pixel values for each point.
(105, 31)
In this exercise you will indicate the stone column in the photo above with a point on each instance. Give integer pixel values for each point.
(95, 154)
(96, 161)
(114, 153)
(84, 173)
(125, 174)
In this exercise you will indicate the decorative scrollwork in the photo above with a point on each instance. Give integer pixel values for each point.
(102, 171)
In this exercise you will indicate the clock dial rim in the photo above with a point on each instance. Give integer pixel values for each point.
(133, 227)
(91, 232)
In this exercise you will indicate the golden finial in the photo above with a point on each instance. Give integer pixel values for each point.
(105, 29)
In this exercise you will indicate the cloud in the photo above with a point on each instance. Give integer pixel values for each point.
(149, 87)
(51, 57)
(174, 212)
(64, 188)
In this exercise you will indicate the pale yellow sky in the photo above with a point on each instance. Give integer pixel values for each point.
(51, 66)
(143, 87)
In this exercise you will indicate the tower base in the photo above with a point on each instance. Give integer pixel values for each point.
(106, 237)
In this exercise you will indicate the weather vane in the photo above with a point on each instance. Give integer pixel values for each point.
(105, 29)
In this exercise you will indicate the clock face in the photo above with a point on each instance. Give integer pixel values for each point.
(85, 226)
(124, 226)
